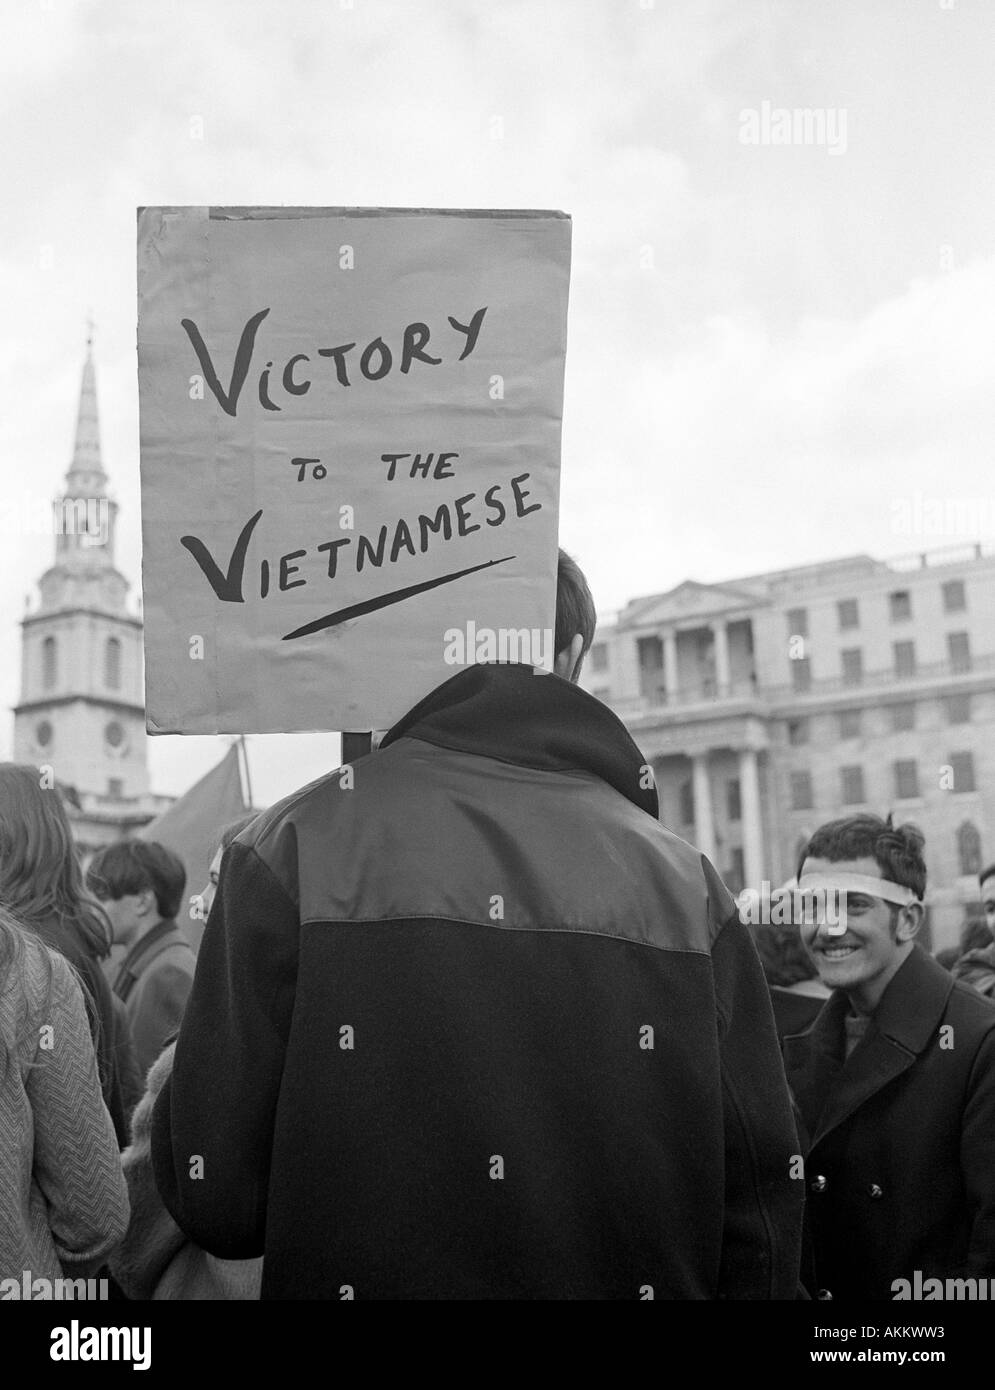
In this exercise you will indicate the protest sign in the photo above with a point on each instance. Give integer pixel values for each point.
(350, 440)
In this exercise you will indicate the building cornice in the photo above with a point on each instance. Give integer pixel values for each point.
(129, 619)
(107, 701)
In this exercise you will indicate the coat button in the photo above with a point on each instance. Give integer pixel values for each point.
(875, 1191)
(818, 1184)
(824, 1296)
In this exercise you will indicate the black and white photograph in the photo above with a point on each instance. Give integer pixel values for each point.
(497, 671)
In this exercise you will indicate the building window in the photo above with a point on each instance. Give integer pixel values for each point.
(114, 734)
(969, 850)
(801, 675)
(853, 785)
(954, 597)
(959, 651)
(650, 667)
(905, 658)
(687, 803)
(958, 709)
(962, 766)
(599, 657)
(734, 806)
(906, 779)
(112, 664)
(903, 717)
(900, 605)
(650, 653)
(43, 734)
(737, 874)
(115, 787)
(850, 723)
(849, 615)
(49, 663)
(798, 731)
(853, 665)
(797, 622)
(801, 791)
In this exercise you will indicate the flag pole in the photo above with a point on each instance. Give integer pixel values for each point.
(245, 760)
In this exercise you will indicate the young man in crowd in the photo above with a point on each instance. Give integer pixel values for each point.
(469, 1023)
(140, 884)
(895, 1080)
(977, 967)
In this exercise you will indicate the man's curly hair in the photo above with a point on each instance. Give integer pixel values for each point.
(896, 849)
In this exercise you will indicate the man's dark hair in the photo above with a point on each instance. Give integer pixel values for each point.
(575, 610)
(986, 873)
(896, 849)
(235, 828)
(132, 866)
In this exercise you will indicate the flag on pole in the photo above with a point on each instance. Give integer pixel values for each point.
(192, 827)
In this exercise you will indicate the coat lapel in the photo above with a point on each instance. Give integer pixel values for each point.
(873, 1063)
(814, 1059)
(903, 1025)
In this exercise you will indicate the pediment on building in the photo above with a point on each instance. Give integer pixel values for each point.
(689, 600)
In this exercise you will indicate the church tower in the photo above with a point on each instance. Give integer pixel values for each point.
(81, 709)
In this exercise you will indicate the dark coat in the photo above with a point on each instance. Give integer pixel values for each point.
(154, 982)
(977, 969)
(471, 1024)
(794, 1012)
(900, 1165)
(111, 1036)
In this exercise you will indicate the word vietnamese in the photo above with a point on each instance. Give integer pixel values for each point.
(375, 360)
(228, 584)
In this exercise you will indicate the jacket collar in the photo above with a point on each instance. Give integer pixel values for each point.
(915, 1001)
(902, 1026)
(509, 712)
(147, 946)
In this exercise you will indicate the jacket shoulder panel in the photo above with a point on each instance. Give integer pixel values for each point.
(419, 831)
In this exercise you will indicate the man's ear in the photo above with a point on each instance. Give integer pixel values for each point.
(910, 919)
(147, 901)
(570, 660)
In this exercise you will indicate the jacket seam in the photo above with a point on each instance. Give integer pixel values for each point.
(747, 1132)
(499, 926)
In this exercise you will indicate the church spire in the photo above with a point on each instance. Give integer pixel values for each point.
(84, 514)
(86, 476)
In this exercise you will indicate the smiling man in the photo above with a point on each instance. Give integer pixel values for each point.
(894, 1081)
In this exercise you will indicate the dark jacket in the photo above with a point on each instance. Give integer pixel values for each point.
(977, 969)
(471, 1024)
(900, 1163)
(111, 1037)
(794, 1012)
(154, 982)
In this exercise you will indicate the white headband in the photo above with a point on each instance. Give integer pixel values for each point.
(858, 883)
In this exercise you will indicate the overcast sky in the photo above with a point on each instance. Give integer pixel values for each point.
(771, 346)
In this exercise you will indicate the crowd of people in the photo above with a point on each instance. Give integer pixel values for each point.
(471, 1023)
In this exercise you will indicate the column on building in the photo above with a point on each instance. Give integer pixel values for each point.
(721, 656)
(625, 667)
(704, 822)
(670, 664)
(754, 866)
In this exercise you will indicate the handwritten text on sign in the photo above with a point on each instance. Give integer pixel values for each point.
(338, 413)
